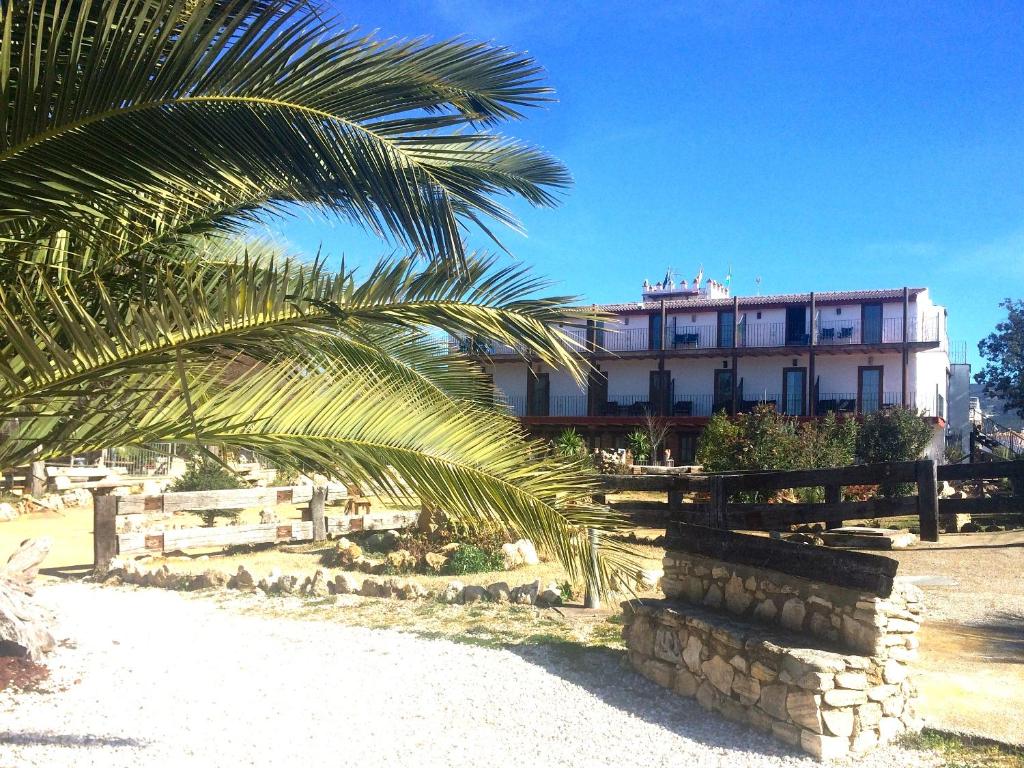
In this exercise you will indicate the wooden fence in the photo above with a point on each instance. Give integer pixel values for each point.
(316, 525)
(720, 512)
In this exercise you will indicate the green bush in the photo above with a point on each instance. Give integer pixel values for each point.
(570, 443)
(470, 559)
(893, 434)
(208, 475)
(640, 444)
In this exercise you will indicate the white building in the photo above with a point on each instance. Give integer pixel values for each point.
(686, 352)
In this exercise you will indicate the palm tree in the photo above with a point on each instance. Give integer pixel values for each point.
(139, 138)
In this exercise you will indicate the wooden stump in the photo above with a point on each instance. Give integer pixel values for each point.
(23, 629)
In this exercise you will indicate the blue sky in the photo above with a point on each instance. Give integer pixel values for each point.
(818, 145)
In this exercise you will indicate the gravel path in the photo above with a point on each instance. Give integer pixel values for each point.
(155, 678)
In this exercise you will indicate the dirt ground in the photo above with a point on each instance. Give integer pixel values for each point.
(971, 671)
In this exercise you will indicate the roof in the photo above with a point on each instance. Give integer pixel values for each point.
(747, 302)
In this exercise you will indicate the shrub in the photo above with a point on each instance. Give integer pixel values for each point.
(569, 443)
(471, 559)
(640, 445)
(893, 434)
(208, 475)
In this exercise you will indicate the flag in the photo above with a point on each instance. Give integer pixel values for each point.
(699, 277)
(728, 277)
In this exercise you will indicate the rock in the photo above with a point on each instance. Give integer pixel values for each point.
(23, 625)
(526, 594)
(737, 599)
(869, 714)
(706, 695)
(841, 697)
(318, 584)
(666, 645)
(242, 579)
(473, 593)
(685, 683)
(838, 722)
(401, 560)
(894, 673)
(970, 528)
(857, 681)
(763, 672)
(209, 579)
(452, 592)
(889, 728)
(345, 554)
(499, 592)
(793, 612)
(804, 709)
(435, 561)
(345, 584)
(864, 741)
(766, 611)
(7, 512)
(786, 732)
(512, 558)
(719, 673)
(373, 588)
(713, 598)
(286, 585)
(824, 747)
(692, 652)
(551, 596)
(528, 552)
(748, 689)
(384, 541)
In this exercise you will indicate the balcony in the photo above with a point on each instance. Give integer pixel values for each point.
(751, 335)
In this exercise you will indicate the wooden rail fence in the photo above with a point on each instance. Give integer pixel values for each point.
(720, 512)
(315, 525)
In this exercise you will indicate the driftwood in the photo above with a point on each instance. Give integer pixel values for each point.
(23, 629)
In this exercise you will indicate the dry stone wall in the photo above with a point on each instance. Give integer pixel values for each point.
(822, 668)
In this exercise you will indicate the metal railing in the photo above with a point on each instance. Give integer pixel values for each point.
(623, 340)
(153, 460)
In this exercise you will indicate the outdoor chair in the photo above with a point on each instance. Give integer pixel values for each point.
(682, 408)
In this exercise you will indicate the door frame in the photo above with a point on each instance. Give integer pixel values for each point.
(864, 324)
(718, 329)
(789, 340)
(803, 389)
(714, 392)
(860, 385)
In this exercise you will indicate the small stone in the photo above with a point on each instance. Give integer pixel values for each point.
(839, 722)
(793, 612)
(719, 673)
(804, 709)
(869, 714)
(840, 697)
(739, 662)
(526, 594)
(881, 692)
(864, 741)
(816, 681)
(824, 747)
(372, 588)
(318, 584)
(659, 672)
(692, 652)
(707, 696)
(345, 584)
(763, 672)
(499, 592)
(435, 561)
(718, 572)
(666, 645)
(452, 592)
(893, 707)
(759, 720)
(473, 593)
(766, 611)
(713, 598)
(854, 680)
(773, 700)
(889, 728)
(242, 579)
(686, 684)
(737, 599)
(894, 672)
(748, 689)
(786, 732)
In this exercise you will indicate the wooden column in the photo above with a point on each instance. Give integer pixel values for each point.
(664, 320)
(316, 509)
(735, 354)
(592, 598)
(104, 528)
(37, 478)
(812, 405)
(719, 502)
(928, 499)
(905, 389)
(834, 495)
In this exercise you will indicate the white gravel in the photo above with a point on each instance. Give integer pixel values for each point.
(155, 678)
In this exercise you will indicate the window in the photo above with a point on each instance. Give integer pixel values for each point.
(871, 323)
(660, 392)
(869, 388)
(794, 391)
(796, 325)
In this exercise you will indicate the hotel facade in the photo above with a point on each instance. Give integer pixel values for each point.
(685, 352)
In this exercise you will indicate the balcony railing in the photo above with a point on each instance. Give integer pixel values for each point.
(680, 336)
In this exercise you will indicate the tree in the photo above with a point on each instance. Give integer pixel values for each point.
(893, 434)
(1003, 376)
(138, 141)
(656, 428)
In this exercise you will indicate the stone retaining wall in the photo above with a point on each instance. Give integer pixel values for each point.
(828, 703)
(821, 667)
(865, 623)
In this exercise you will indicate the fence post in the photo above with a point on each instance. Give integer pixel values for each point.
(316, 509)
(104, 528)
(37, 479)
(928, 499)
(833, 495)
(718, 504)
(592, 599)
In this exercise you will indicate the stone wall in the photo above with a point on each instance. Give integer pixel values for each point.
(865, 623)
(821, 667)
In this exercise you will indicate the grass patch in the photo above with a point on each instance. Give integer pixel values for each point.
(961, 751)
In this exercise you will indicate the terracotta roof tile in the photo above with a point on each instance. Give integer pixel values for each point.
(823, 297)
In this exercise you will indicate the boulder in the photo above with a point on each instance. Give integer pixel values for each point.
(23, 625)
(474, 594)
(7, 512)
(345, 584)
(511, 556)
(401, 560)
(525, 594)
(452, 592)
(373, 588)
(435, 561)
(318, 584)
(409, 590)
(242, 579)
(383, 541)
(549, 597)
(528, 552)
(499, 592)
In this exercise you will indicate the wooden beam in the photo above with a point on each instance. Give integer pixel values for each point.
(905, 350)
(775, 517)
(37, 485)
(991, 505)
(834, 495)
(928, 499)
(858, 474)
(614, 483)
(104, 529)
(717, 507)
(853, 570)
(980, 471)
